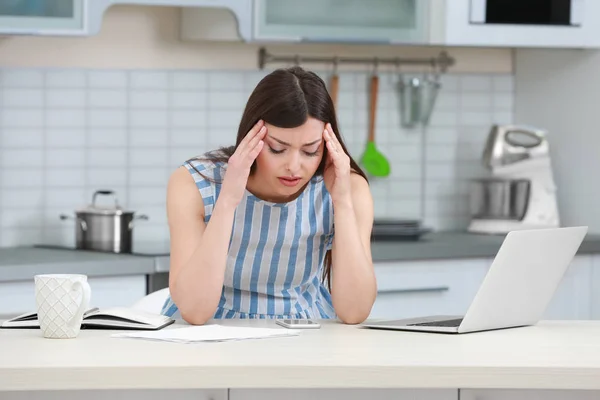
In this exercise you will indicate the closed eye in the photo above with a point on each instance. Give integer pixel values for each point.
(308, 153)
(275, 151)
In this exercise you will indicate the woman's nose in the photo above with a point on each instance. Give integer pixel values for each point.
(294, 163)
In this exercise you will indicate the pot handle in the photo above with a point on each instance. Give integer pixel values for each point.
(137, 217)
(105, 193)
(81, 222)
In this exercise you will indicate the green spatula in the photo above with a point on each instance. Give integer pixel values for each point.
(374, 162)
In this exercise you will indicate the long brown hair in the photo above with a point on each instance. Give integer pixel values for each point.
(286, 98)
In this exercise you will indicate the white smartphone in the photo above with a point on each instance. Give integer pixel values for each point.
(298, 323)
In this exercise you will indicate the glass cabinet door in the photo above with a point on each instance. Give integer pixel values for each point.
(34, 16)
(341, 20)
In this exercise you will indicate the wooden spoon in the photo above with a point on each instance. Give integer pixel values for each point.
(334, 87)
(374, 161)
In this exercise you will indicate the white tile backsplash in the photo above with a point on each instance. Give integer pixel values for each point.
(107, 137)
(149, 80)
(66, 78)
(22, 118)
(64, 177)
(158, 99)
(107, 79)
(66, 118)
(65, 98)
(23, 97)
(64, 138)
(116, 118)
(107, 98)
(66, 133)
(183, 80)
(22, 78)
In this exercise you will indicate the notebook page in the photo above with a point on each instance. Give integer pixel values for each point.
(209, 333)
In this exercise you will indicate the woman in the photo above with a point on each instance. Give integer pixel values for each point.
(252, 226)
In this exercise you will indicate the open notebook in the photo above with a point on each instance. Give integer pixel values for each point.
(109, 318)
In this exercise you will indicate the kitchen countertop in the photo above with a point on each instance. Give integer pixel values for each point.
(453, 245)
(550, 355)
(22, 263)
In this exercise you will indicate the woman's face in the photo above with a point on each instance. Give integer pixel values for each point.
(289, 158)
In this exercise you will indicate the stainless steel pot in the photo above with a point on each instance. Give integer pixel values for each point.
(494, 198)
(107, 229)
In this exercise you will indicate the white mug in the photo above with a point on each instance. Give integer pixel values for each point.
(61, 301)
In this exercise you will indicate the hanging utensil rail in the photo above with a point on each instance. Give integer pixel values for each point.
(441, 62)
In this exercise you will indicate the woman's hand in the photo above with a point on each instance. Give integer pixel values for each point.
(238, 167)
(337, 169)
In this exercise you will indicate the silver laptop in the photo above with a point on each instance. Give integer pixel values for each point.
(516, 289)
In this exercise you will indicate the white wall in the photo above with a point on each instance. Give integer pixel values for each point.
(559, 90)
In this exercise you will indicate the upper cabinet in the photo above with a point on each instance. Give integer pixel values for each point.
(355, 21)
(42, 16)
(482, 23)
(84, 17)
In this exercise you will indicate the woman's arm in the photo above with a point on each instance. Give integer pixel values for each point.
(198, 250)
(353, 284)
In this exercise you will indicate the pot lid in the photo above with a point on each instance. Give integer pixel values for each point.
(104, 209)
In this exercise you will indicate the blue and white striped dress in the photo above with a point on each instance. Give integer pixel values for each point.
(276, 252)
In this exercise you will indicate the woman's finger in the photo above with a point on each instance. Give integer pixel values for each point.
(333, 151)
(330, 141)
(334, 138)
(255, 151)
(252, 133)
(246, 149)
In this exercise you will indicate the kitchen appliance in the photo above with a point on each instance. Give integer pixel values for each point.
(104, 228)
(521, 193)
(527, 12)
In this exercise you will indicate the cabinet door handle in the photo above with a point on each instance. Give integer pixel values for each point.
(416, 290)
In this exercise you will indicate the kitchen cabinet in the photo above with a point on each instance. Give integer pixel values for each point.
(413, 289)
(154, 394)
(343, 394)
(573, 297)
(414, 22)
(381, 21)
(18, 297)
(595, 287)
(43, 16)
(84, 17)
(447, 287)
(528, 394)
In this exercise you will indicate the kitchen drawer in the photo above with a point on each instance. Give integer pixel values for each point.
(595, 288)
(412, 289)
(343, 394)
(112, 394)
(528, 394)
(107, 291)
(573, 296)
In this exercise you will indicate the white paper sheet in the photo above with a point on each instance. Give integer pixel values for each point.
(208, 333)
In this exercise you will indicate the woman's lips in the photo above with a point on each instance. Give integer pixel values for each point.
(289, 181)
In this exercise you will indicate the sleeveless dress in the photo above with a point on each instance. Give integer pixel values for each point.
(276, 252)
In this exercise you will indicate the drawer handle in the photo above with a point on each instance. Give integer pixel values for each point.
(416, 290)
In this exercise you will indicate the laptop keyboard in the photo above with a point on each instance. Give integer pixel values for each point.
(447, 322)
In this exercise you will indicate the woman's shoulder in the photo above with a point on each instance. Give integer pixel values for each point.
(205, 166)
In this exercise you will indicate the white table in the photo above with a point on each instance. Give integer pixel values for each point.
(551, 355)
